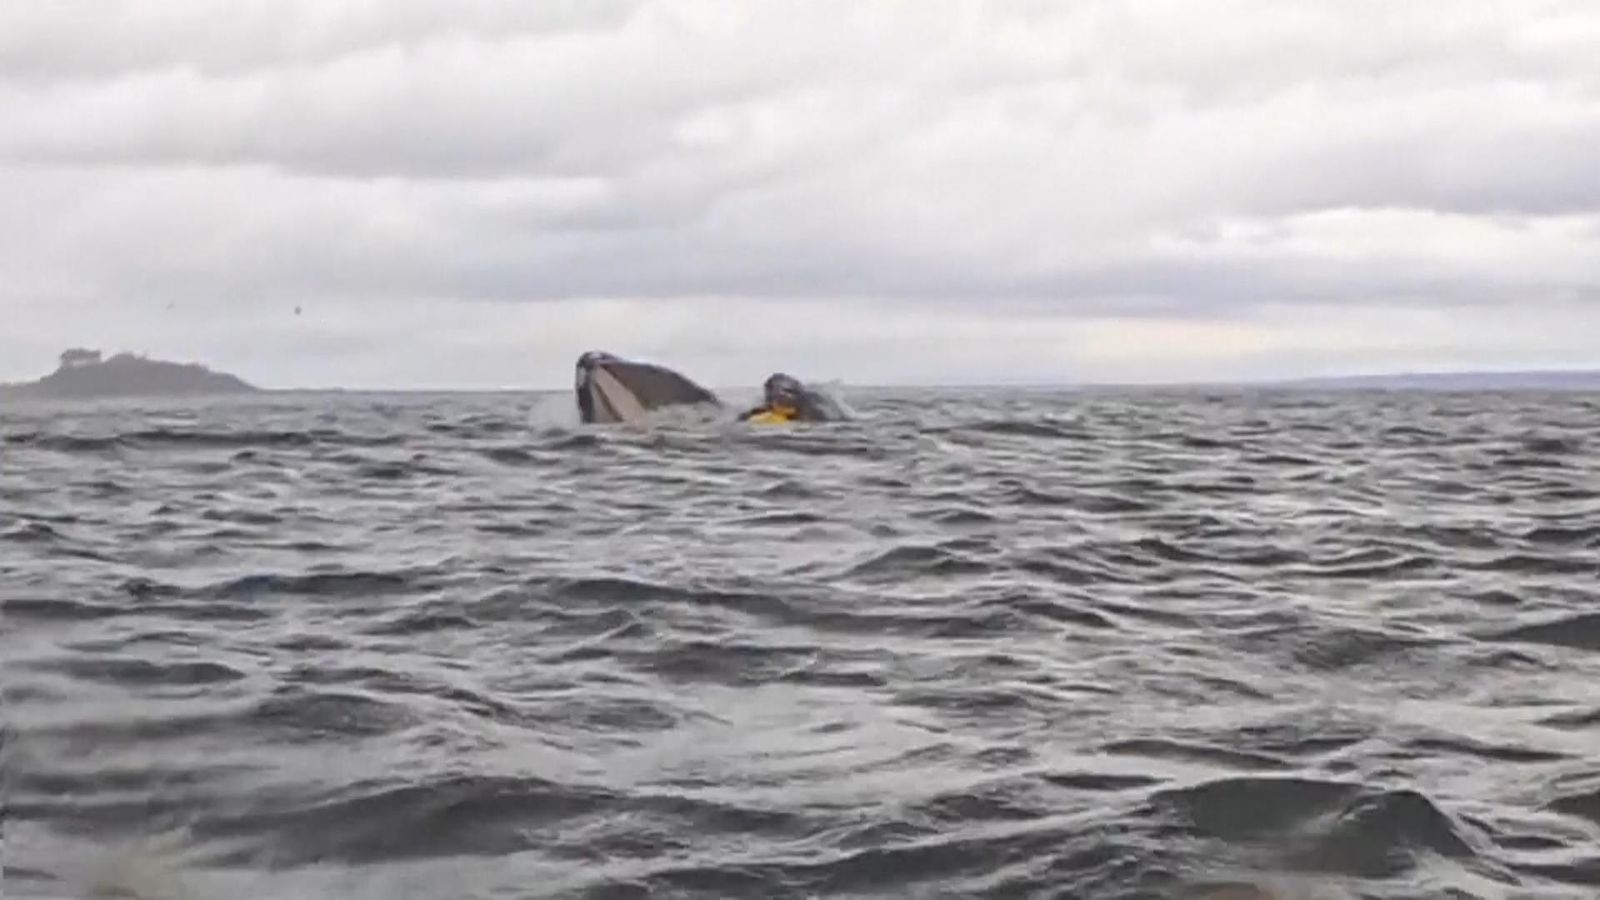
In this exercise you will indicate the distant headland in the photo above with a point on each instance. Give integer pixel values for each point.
(85, 374)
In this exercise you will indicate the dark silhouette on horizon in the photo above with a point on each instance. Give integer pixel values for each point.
(84, 374)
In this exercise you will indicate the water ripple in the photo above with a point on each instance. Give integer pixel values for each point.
(977, 644)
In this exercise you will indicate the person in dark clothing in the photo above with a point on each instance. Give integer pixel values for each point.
(785, 399)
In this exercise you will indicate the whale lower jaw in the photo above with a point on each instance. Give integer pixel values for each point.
(613, 390)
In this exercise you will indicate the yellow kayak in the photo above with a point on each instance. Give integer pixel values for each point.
(772, 417)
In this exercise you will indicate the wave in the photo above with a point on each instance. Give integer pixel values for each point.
(1104, 644)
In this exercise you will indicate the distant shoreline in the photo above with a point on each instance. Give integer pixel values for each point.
(84, 375)
(1533, 379)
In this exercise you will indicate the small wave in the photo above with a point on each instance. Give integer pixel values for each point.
(958, 516)
(45, 609)
(143, 672)
(979, 621)
(511, 456)
(1079, 573)
(460, 815)
(1557, 446)
(1328, 826)
(567, 442)
(1412, 436)
(1100, 781)
(637, 590)
(1241, 808)
(1580, 631)
(1335, 649)
(1062, 613)
(242, 516)
(1427, 748)
(1082, 501)
(1385, 834)
(423, 622)
(300, 715)
(1279, 460)
(1583, 804)
(1376, 563)
(65, 443)
(910, 561)
(780, 519)
(317, 584)
(1563, 537)
(1156, 748)
(1578, 720)
(1530, 564)
(31, 533)
(1062, 431)
(721, 662)
(223, 440)
(1496, 598)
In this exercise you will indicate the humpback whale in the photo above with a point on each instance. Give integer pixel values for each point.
(612, 389)
(786, 398)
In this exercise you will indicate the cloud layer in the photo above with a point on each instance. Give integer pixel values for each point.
(470, 194)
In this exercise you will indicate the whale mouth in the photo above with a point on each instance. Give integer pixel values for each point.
(610, 389)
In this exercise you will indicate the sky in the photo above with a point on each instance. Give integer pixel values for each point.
(469, 194)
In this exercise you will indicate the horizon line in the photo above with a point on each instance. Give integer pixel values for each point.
(1577, 372)
(1581, 374)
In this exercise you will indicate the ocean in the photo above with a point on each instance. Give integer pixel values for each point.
(1098, 644)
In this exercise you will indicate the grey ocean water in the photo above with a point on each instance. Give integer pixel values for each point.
(976, 644)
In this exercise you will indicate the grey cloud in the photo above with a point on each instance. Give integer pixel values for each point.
(225, 237)
(72, 40)
(1161, 160)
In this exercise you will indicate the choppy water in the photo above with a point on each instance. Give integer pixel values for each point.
(974, 645)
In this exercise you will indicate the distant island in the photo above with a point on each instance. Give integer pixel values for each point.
(84, 374)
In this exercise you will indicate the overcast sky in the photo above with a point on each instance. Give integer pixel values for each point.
(469, 194)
